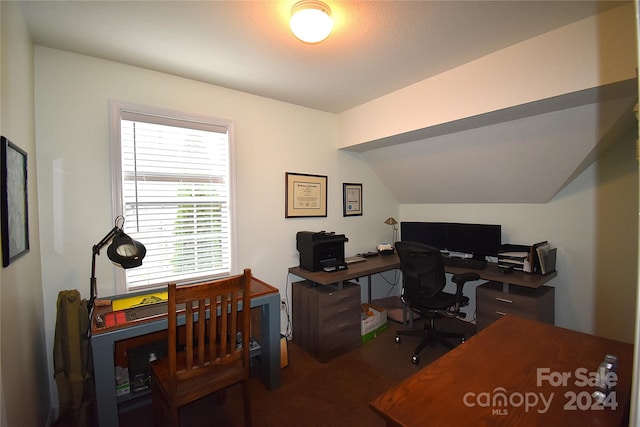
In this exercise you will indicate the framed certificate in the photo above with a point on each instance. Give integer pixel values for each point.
(351, 199)
(305, 195)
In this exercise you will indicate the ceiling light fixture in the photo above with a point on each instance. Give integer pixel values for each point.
(311, 21)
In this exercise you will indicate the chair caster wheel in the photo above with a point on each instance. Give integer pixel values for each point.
(397, 339)
(415, 359)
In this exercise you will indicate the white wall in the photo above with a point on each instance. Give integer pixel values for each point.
(24, 362)
(593, 224)
(72, 114)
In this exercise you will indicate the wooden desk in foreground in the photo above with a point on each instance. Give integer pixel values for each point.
(510, 374)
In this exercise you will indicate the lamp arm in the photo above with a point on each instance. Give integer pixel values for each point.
(92, 284)
(106, 239)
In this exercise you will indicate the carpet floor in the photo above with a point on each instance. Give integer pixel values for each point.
(333, 394)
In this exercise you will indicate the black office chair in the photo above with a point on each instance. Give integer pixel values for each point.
(422, 291)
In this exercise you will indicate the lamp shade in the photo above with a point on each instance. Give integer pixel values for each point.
(391, 221)
(311, 21)
(125, 251)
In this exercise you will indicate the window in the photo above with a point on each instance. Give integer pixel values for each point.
(172, 179)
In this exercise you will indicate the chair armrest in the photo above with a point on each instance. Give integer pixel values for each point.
(460, 280)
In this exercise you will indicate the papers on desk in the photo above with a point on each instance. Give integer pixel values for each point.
(514, 260)
(538, 258)
(352, 259)
(517, 255)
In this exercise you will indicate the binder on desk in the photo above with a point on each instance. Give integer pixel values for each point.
(546, 258)
(543, 258)
(534, 257)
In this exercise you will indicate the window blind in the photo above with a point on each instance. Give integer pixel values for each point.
(176, 197)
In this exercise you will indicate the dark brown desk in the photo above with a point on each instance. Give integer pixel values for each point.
(370, 266)
(381, 263)
(518, 278)
(487, 380)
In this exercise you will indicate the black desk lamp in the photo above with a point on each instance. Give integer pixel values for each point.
(123, 251)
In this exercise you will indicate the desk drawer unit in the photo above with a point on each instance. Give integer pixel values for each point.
(326, 318)
(530, 303)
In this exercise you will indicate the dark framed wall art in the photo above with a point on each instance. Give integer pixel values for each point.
(351, 199)
(14, 207)
(305, 195)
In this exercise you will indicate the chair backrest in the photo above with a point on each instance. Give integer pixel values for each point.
(210, 343)
(422, 272)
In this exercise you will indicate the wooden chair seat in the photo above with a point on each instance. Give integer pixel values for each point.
(202, 384)
(201, 370)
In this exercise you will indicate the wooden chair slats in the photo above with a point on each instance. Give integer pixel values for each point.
(212, 359)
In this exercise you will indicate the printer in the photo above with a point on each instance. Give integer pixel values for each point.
(321, 250)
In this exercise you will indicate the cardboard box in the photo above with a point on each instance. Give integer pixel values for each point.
(373, 321)
(284, 354)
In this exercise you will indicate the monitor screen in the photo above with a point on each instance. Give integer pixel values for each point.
(480, 240)
(428, 233)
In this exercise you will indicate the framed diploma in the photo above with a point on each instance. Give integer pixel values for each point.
(305, 195)
(13, 195)
(351, 199)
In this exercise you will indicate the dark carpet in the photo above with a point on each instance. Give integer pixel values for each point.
(336, 393)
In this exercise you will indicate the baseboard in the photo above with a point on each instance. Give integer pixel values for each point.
(53, 415)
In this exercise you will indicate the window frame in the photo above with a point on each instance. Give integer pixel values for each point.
(117, 109)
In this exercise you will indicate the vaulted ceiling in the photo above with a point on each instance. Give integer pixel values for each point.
(377, 48)
(495, 158)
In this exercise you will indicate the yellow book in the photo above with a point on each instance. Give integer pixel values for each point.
(139, 300)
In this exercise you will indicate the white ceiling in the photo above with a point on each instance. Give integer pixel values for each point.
(376, 48)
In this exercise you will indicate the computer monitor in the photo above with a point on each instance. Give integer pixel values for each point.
(480, 240)
(428, 233)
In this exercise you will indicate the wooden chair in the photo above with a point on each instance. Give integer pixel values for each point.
(211, 361)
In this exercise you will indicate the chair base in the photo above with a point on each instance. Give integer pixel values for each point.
(430, 335)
